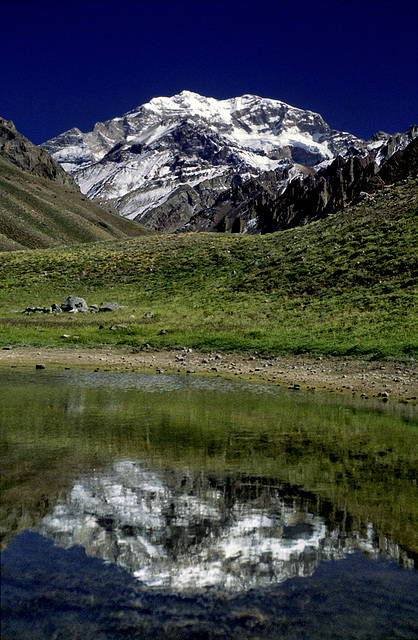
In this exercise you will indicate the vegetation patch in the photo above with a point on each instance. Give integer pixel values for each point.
(346, 285)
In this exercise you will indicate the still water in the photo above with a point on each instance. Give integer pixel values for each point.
(164, 506)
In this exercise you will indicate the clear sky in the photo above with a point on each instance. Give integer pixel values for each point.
(67, 63)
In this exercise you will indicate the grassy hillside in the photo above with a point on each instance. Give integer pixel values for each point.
(346, 285)
(37, 213)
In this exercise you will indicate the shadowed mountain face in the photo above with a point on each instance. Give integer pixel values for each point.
(261, 205)
(20, 152)
(41, 205)
(191, 163)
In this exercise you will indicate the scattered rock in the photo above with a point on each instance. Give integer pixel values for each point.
(119, 326)
(149, 314)
(73, 304)
(37, 310)
(109, 306)
(363, 196)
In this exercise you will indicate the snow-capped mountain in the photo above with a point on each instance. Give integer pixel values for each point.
(170, 158)
(178, 531)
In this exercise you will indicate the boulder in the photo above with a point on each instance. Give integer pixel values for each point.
(73, 304)
(109, 306)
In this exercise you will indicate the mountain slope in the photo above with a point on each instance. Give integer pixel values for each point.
(346, 285)
(171, 158)
(261, 204)
(41, 205)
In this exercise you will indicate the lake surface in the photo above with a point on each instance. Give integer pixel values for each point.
(174, 506)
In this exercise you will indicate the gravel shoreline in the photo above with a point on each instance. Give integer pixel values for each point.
(387, 380)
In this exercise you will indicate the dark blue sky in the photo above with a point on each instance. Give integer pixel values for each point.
(67, 63)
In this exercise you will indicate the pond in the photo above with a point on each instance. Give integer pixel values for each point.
(174, 506)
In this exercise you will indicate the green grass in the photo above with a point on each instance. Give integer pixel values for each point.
(345, 286)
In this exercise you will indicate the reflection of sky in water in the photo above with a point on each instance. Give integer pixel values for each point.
(171, 531)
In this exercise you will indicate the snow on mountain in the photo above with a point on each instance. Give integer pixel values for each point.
(187, 145)
(169, 536)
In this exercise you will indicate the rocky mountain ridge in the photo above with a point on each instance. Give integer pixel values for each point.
(42, 206)
(173, 158)
(261, 204)
(191, 163)
(19, 151)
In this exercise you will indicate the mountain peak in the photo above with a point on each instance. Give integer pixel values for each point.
(140, 161)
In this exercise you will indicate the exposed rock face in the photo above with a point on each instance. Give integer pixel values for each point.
(18, 150)
(247, 165)
(259, 205)
(400, 164)
(166, 160)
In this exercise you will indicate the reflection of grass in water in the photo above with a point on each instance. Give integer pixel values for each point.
(33, 479)
(363, 461)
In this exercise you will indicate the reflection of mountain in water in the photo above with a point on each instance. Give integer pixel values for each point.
(172, 529)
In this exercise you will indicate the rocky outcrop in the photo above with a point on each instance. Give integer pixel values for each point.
(75, 304)
(18, 150)
(258, 205)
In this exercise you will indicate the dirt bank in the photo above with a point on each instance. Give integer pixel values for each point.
(382, 379)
